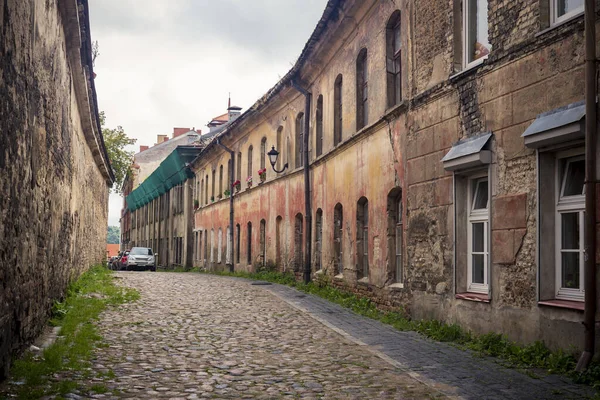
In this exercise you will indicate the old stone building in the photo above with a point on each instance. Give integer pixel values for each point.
(445, 164)
(54, 170)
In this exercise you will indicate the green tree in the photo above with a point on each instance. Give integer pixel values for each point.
(120, 159)
(114, 235)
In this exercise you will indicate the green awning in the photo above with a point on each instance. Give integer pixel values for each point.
(171, 172)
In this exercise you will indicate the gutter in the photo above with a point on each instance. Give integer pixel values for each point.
(590, 188)
(307, 193)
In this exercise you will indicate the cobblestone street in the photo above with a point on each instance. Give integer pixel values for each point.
(198, 336)
(201, 336)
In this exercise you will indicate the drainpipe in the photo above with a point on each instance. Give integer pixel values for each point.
(308, 210)
(232, 154)
(590, 187)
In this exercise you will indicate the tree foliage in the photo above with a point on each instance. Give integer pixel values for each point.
(114, 235)
(120, 159)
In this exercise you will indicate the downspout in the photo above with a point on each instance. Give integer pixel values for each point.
(232, 154)
(307, 195)
(590, 187)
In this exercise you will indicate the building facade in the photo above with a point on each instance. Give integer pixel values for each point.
(54, 170)
(445, 164)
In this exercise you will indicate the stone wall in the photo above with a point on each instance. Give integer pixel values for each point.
(54, 178)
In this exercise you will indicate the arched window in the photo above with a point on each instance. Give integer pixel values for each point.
(319, 123)
(338, 234)
(299, 140)
(201, 192)
(394, 214)
(250, 161)
(239, 167)
(206, 191)
(214, 178)
(362, 237)
(279, 144)
(220, 246)
(278, 241)
(362, 98)
(238, 232)
(228, 176)
(393, 60)
(337, 111)
(263, 153)
(220, 181)
(318, 239)
(249, 248)
(263, 242)
(298, 243)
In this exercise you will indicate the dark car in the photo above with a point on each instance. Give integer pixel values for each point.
(140, 258)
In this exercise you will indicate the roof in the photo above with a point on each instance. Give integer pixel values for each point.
(468, 146)
(330, 13)
(556, 118)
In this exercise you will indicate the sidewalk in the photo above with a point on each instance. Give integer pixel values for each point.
(452, 371)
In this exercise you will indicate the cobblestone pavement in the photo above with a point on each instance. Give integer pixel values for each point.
(200, 336)
(451, 370)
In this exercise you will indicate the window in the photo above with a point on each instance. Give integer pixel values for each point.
(205, 247)
(214, 176)
(393, 60)
(206, 191)
(476, 45)
(362, 237)
(212, 245)
(561, 10)
(478, 235)
(263, 242)
(249, 161)
(202, 194)
(263, 153)
(395, 227)
(249, 248)
(570, 223)
(229, 176)
(318, 239)
(279, 144)
(278, 240)
(362, 103)
(298, 243)
(220, 246)
(220, 181)
(338, 225)
(239, 167)
(299, 140)
(337, 111)
(228, 254)
(319, 123)
(238, 232)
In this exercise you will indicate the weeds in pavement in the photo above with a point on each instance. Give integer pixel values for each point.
(535, 355)
(38, 375)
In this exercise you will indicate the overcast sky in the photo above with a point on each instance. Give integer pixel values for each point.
(166, 64)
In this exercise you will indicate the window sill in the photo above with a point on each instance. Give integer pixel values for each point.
(339, 277)
(559, 24)
(572, 305)
(477, 297)
(468, 70)
(396, 286)
(363, 281)
(319, 272)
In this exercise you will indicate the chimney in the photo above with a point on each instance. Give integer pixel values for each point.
(161, 138)
(179, 131)
(144, 148)
(233, 112)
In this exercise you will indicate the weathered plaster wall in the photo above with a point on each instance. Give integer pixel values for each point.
(53, 197)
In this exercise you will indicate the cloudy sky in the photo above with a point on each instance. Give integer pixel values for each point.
(165, 64)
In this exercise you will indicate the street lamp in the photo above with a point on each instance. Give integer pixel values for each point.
(273, 155)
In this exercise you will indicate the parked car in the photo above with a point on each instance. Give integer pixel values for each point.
(140, 258)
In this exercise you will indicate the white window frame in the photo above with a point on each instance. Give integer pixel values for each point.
(555, 19)
(465, 37)
(568, 204)
(478, 216)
